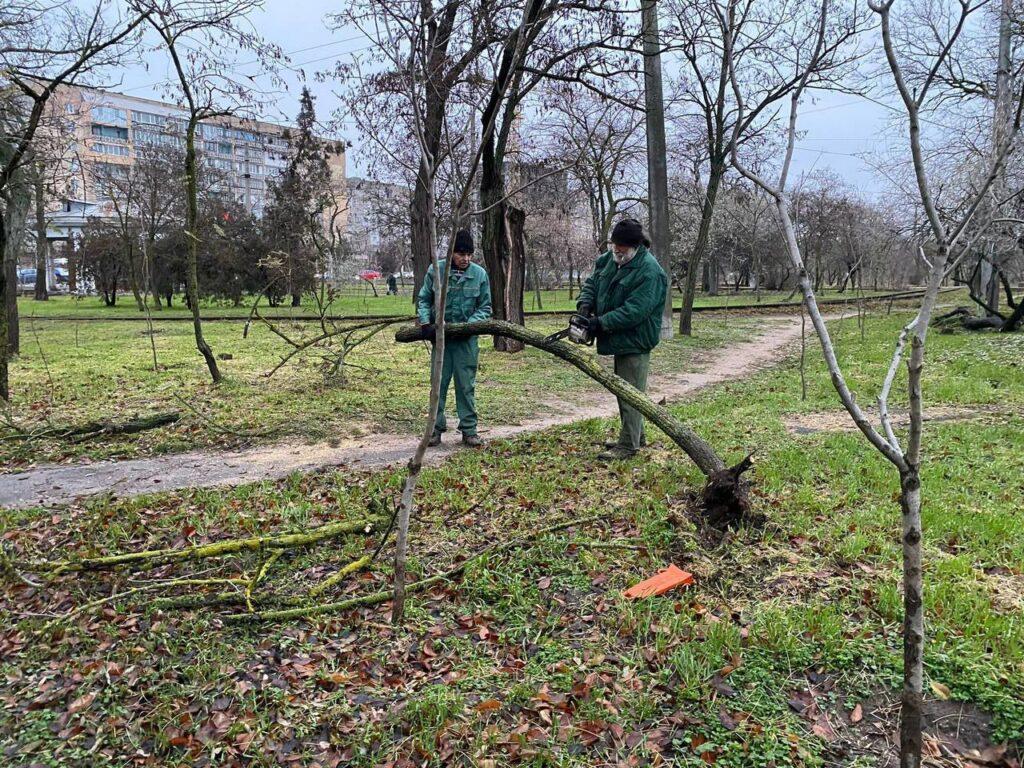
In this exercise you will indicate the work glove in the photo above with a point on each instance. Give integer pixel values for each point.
(586, 310)
(595, 326)
(428, 332)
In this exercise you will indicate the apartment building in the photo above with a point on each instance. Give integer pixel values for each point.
(106, 130)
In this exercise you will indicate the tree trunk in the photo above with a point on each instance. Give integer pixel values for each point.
(421, 217)
(5, 392)
(41, 293)
(72, 252)
(192, 235)
(515, 276)
(716, 172)
(657, 155)
(149, 269)
(702, 454)
(535, 279)
(133, 274)
(712, 274)
(1013, 322)
(14, 226)
(504, 247)
(913, 621)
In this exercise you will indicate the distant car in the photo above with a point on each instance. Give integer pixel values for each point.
(26, 279)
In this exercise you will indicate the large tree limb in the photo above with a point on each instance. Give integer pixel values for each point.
(702, 454)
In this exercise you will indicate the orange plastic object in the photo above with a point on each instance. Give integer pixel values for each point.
(660, 583)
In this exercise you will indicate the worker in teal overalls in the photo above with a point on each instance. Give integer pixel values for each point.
(468, 300)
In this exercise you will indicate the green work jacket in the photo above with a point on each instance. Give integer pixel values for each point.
(628, 301)
(468, 300)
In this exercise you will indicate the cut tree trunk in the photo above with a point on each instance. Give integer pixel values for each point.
(702, 454)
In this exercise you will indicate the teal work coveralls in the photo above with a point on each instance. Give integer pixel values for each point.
(468, 300)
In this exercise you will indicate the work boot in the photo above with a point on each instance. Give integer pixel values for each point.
(614, 443)
(472, 441)
(435, 439)
(617, 453)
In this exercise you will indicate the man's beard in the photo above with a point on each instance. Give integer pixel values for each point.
(624, 258)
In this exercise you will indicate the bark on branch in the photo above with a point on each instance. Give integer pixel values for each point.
(702, 454)
(151, 558)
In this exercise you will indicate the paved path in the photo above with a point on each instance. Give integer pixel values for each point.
(50, 485)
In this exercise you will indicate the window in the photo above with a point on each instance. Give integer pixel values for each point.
(146, 118)
(109, 115)
(110, 132)
(110, 149)
(111, 171)
(224, 148)
(235, 133)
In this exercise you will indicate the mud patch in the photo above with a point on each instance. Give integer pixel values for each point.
(840, 421)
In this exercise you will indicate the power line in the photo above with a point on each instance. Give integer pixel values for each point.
(236, 67)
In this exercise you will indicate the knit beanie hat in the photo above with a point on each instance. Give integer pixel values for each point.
(628, 232)
(463, 242)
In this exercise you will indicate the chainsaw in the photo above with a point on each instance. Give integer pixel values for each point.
(578, 331)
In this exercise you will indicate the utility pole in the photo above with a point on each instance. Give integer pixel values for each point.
(657, 160)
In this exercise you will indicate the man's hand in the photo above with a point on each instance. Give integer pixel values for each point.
(428, 332)
(594, 326)
(586, 310)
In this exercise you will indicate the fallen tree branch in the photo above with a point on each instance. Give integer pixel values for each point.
(702, 454)
(355, 565)
(309, 611)
(151, 558)
(91, 429)
(134, 591)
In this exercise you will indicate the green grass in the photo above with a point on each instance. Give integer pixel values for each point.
(533, 651)
(70, 373)
(355, 301)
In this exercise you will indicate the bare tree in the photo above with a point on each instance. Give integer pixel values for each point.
(195, 34)
(456, 33)
(763, 36)
(600, 138)
(43, 46)
(915, 85)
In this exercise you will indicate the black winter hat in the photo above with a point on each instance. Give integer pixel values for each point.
(463, 242)
(628, 232)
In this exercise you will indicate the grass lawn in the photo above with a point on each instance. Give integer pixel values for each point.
(355, 301)
(70, 373)
(786, 650)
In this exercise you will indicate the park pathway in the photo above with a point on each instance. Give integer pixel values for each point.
(50, 485)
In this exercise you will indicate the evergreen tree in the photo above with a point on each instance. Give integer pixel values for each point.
(297, 203)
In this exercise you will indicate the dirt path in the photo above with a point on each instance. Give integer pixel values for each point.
(50, 485)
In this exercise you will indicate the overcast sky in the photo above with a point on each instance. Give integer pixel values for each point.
(842, 133)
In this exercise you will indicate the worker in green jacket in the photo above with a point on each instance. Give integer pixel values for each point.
(623, 299)
(468, 300)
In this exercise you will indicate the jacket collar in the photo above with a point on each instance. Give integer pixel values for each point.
(641, 254)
